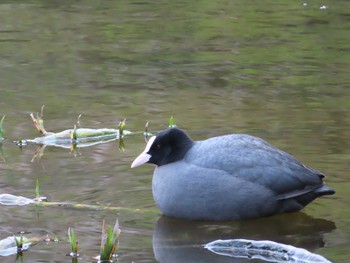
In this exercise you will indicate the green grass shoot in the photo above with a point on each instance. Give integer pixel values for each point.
(75, 137)
(121, 127)
(172, 122)
(110, 241)
(78, 121)
(1, 128)
(146, 127)
(121, 145)
(37, 189)
(19, 242)
(73, 242)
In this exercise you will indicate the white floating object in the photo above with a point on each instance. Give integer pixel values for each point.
(264, 250)
(9, 199)
(8, 246)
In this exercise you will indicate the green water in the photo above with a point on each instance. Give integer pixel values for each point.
(274, 69)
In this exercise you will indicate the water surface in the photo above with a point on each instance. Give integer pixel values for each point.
(277, 70)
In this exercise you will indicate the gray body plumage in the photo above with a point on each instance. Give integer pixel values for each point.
(233, 177)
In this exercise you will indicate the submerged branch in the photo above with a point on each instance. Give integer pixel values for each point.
(97, 207)
(14, 200)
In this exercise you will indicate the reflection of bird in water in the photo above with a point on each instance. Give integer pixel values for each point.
(177, 240)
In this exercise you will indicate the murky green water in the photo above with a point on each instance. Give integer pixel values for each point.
(274, 69)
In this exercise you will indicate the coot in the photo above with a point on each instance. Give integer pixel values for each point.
(229, 177)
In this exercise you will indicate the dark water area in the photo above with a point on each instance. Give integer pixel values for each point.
(278, 70)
